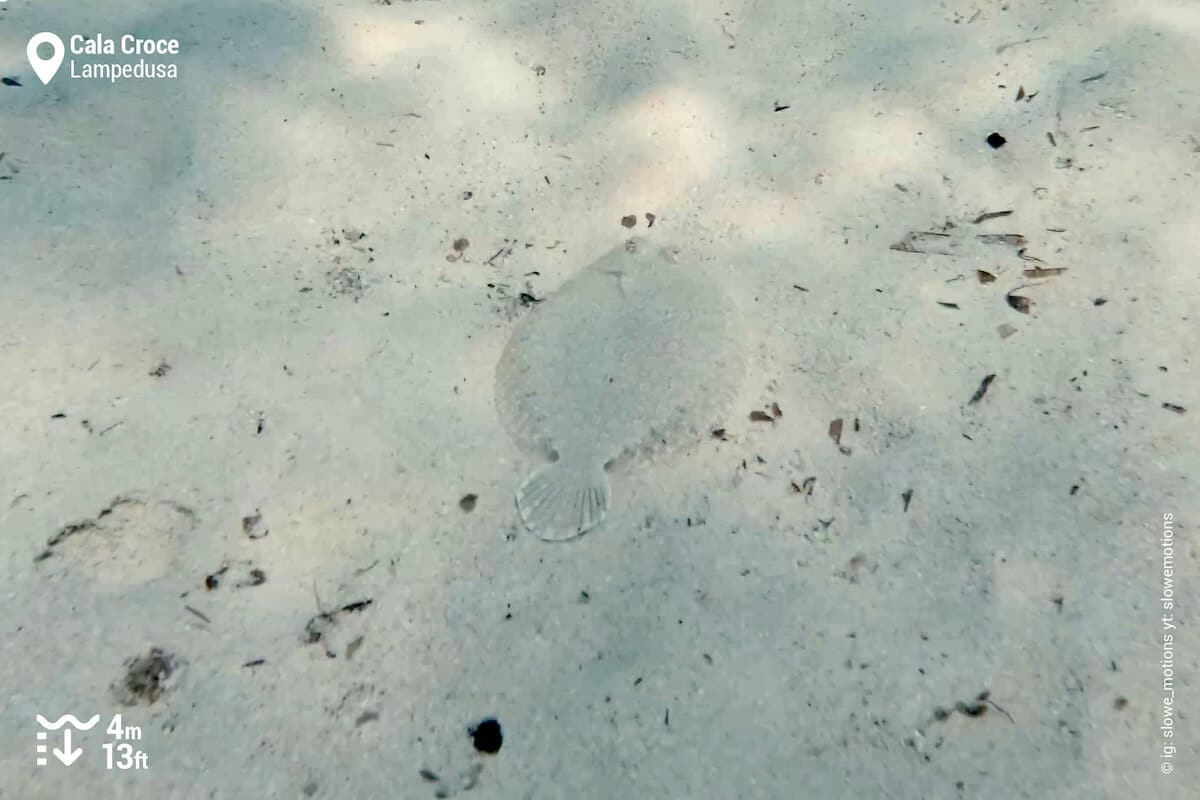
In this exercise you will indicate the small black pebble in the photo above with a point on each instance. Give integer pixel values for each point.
(10, 81)
(1099, 301)
(996, 140)
(971, 709)
(487, 736)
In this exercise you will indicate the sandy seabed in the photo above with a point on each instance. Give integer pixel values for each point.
(255, 498)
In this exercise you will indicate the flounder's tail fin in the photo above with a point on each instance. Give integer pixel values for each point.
(564, 500)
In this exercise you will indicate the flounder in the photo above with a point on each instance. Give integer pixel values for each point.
(634, 354)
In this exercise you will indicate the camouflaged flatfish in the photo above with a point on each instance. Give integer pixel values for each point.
(636, 353)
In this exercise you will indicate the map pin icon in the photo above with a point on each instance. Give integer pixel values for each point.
(45, 67)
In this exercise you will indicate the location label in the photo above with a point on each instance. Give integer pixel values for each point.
(45, 67)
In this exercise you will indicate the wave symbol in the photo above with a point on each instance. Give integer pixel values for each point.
(64, 719)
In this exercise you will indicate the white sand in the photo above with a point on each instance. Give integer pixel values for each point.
(802, 644)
